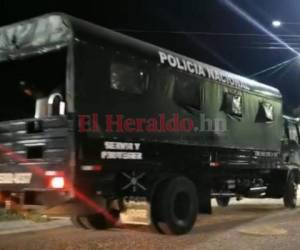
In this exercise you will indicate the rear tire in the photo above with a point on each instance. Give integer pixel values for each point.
(94, 221)
(76, 221)
(223, 201)
(174, 206)
(290, 191)
(97, 221)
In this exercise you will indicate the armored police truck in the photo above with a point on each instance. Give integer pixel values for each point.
(92, 119)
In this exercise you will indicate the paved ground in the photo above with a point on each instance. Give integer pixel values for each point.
(21, 226)
(245, 226)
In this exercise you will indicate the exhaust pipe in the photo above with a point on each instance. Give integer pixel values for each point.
(257, 191)
(215, 195)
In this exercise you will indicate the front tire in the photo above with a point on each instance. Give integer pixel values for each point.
(290, 191)
(174, 206)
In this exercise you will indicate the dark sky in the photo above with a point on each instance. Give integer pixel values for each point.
(241, 54)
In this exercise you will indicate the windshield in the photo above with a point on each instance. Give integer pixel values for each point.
(27, 85)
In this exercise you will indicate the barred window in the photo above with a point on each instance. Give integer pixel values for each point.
(129, 78)
(167, 85)
(265, 112)
(232, 104)
(187, 92)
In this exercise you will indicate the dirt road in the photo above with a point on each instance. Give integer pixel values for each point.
(242, 226)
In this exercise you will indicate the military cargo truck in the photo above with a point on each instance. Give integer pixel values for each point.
(91, 118)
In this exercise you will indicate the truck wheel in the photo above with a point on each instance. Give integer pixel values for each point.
(98, 221)
(155, 206)
(76, 221)
(223, 201)
(175, 206)
(290, 191)
(94, 221)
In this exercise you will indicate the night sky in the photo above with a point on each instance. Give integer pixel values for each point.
(153, 21)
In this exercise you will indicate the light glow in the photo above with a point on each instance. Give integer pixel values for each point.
(57, 182)
(91, 168)
(276, 23)
(236, 9)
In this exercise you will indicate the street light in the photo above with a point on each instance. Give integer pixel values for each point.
(276, 23)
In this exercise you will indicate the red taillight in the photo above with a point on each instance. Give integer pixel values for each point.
(57, 182)
(97, 168)
(215, 164)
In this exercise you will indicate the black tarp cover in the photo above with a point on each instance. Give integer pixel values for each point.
(34, 36)
(55, 30)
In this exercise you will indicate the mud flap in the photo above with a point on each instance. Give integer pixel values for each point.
(204, 193)
(205, 201)
(137, 213)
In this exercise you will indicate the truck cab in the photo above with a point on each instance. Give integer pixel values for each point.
(291, 141)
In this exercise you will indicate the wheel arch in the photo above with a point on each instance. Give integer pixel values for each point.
(295, 171)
